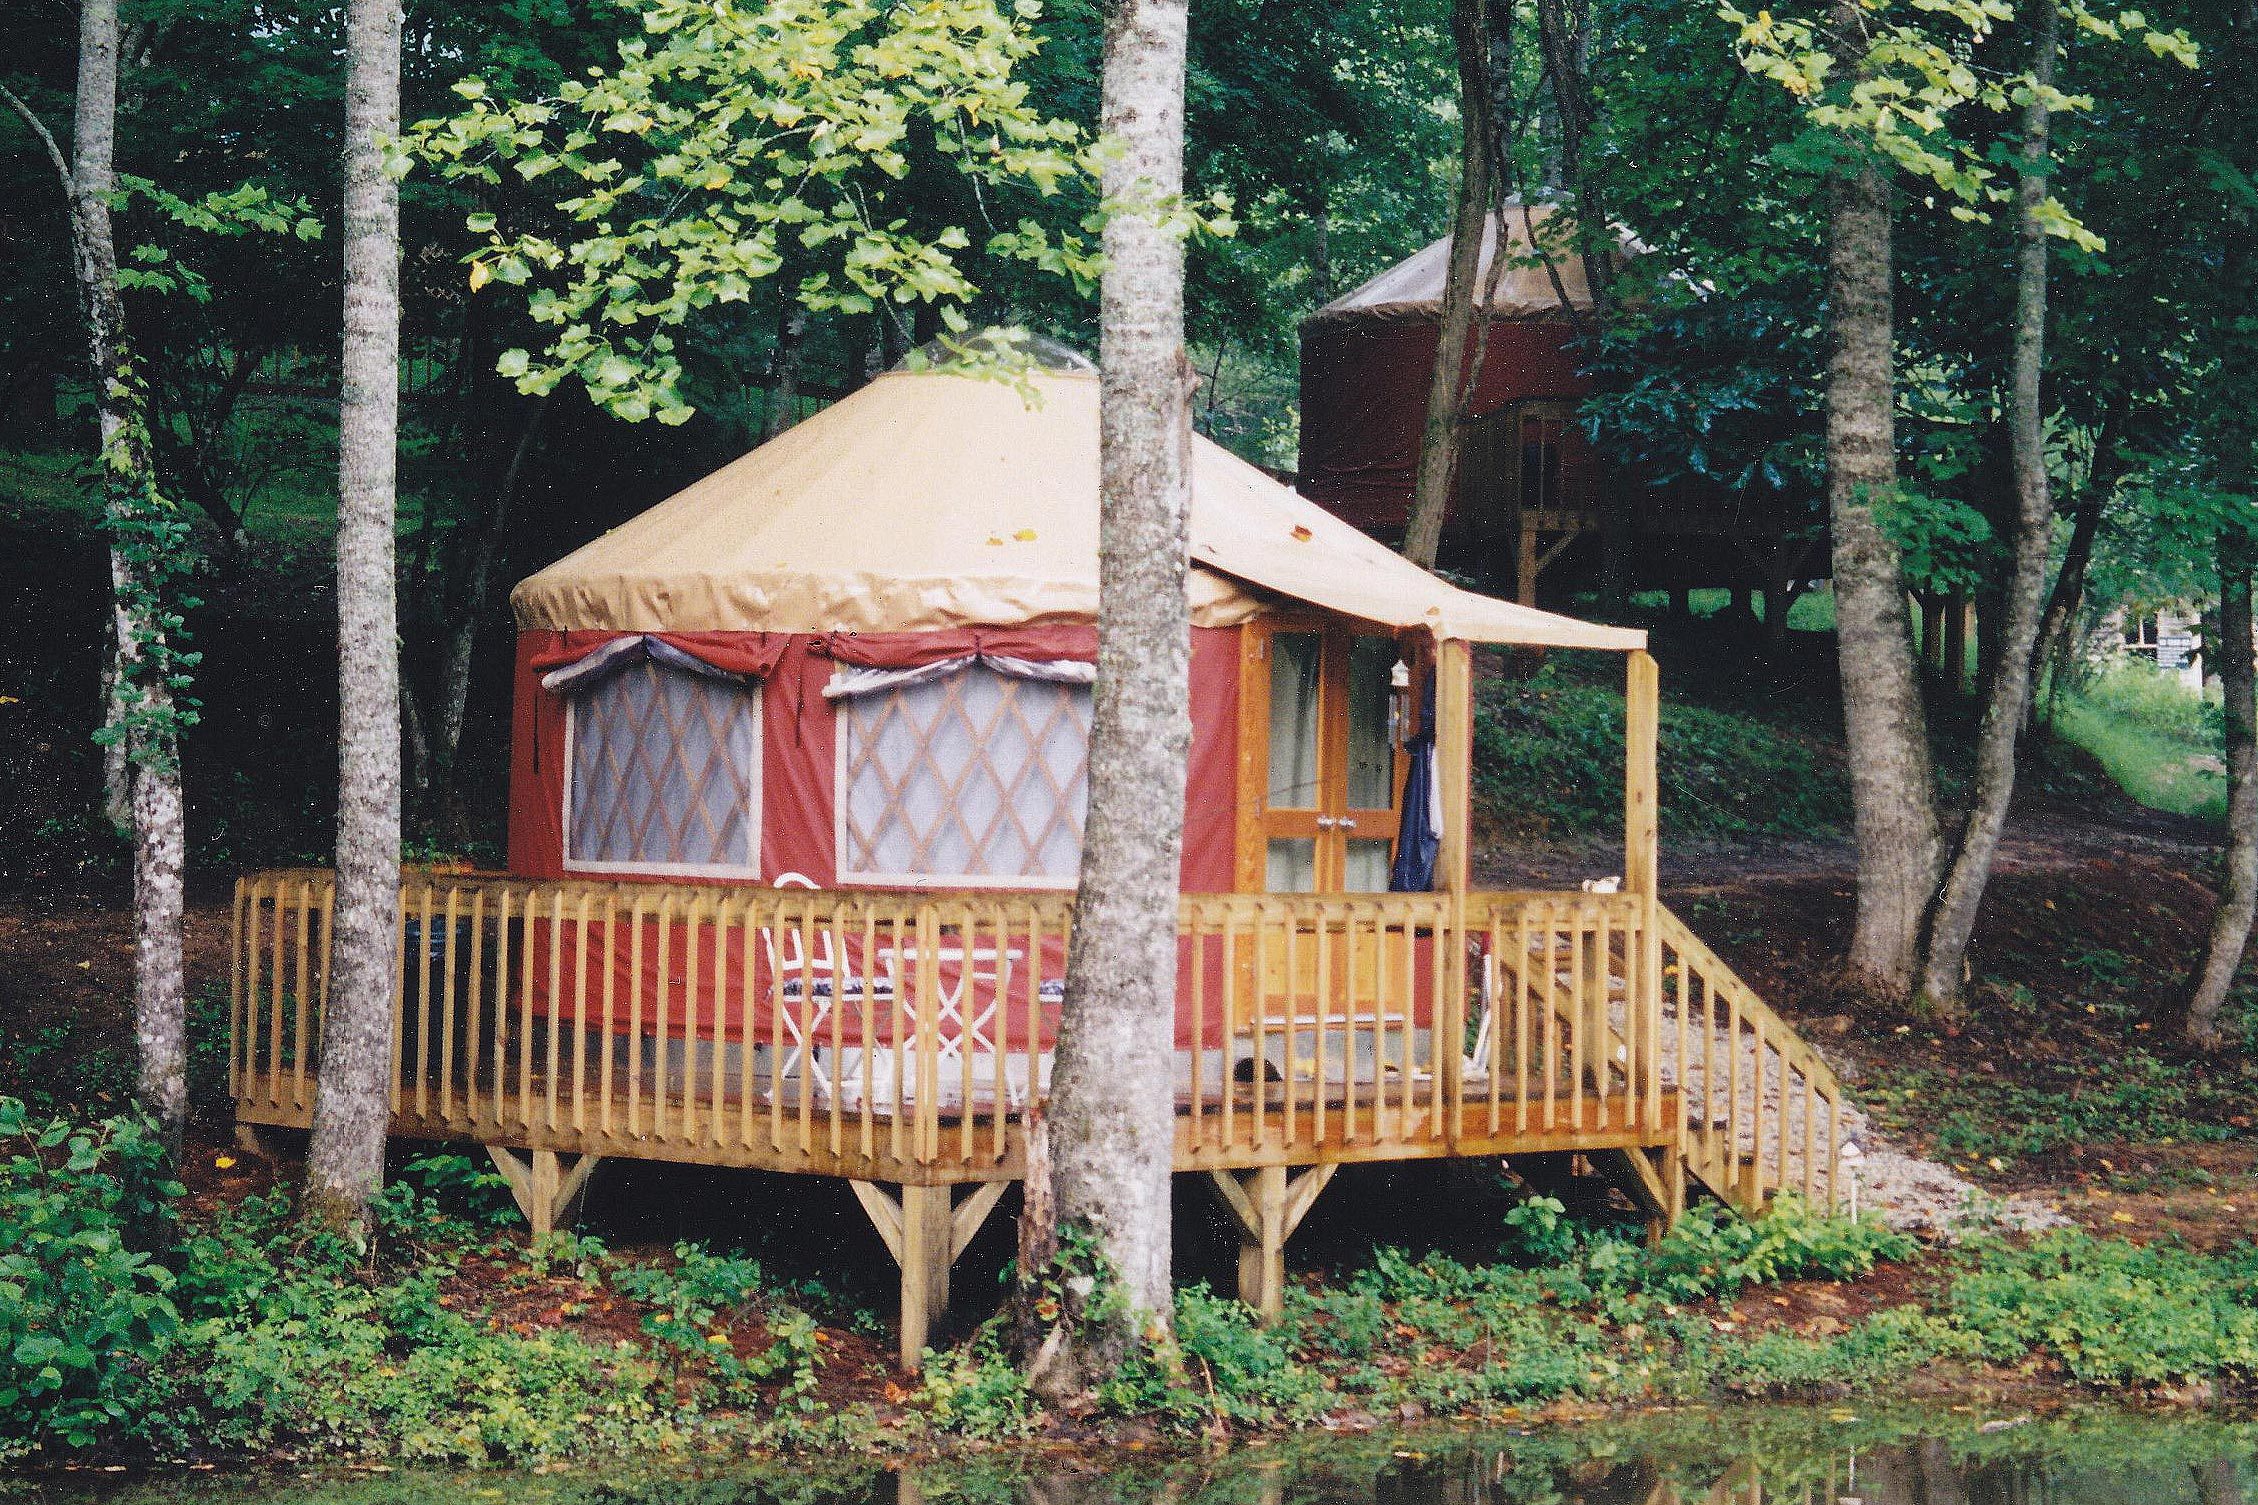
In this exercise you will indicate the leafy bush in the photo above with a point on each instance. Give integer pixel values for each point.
(977, 1391)
(1714, 1253)
(703, 1301)
(1883, 1348)
(2113, 1313)
(84, 1311)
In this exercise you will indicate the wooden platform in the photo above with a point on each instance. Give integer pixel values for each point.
(899, 1040)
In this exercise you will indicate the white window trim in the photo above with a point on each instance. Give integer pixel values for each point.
(839, 845)
(759, 689)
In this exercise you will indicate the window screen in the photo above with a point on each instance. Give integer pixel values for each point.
(665, 773)
(975, 776)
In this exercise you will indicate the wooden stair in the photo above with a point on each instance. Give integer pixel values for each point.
(1763, 1112)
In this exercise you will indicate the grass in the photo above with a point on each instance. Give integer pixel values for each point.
(2157, 740)
(1548, 749)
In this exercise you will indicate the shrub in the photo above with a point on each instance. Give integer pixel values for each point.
(977, 1391)
(1714, 1253)
(2111, 1312)
(85, 1312)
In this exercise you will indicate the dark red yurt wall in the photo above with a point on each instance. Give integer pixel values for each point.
(1364, 400)
(798, 767)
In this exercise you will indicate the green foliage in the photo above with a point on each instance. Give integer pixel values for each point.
(1712, 1253)
(1219, 1365)
(2160, 742)
(1539, 1230)
(84, 1310)
(977, 1391)
(2112, 1313)
(2131, 1095)
(1546, 748)
(733, 143)
(699, 1306)
(1945, 542)
(1896, 97)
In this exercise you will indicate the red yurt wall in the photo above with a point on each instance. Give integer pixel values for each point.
(797, 729)
(1364, 401)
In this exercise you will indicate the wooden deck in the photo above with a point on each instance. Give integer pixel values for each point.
(899, 1039)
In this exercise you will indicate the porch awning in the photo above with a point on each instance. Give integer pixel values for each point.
(1249, 527)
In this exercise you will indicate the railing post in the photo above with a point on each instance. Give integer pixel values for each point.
(1454, 761)
(1450, 1021)
(1642, 951)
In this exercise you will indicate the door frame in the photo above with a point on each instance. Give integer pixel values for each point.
(1258, 823)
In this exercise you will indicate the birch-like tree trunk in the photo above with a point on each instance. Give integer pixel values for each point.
(138, 698)
(1433, 482)
(1891, 781)
(2230, 652)
(1112, 1123)
(345, 1161)
(1952, 922)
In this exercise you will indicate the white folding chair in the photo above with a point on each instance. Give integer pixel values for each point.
(808, 975)
(983, 973)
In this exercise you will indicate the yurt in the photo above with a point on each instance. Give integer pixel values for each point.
(1367, 359)
(861, 656)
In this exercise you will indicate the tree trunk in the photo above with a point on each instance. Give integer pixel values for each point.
(1891, 780)
(1952, 923)
(1446, 386)
(462, 632)
(141, 718)
(2231, 651)
(2069, 583)
(345, 1160)
(1563, 35)
(1112, 1121)
(784, 381)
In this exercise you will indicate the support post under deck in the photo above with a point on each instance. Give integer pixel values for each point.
(925, 1229)
(546, 1192)
(1267, 1206)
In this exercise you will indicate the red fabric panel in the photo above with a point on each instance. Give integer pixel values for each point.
(911, 650)
(754, 653)
(537, 738)
(1211, 778)
(798, 728)
(1364, 402)
(798, 769)
(796, 756)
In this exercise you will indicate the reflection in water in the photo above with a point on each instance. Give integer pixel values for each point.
(1741, 1456)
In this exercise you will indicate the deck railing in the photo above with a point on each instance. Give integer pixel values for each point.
(1764, 1112)
(903, 1036)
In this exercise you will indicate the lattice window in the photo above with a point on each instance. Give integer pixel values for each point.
(977, 777)
(663, 774)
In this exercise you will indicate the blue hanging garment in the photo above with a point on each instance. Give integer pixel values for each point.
(1420, 837)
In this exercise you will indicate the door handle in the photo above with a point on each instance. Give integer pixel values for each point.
(1335, 823)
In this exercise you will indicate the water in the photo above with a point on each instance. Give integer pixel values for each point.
(1736, 1456)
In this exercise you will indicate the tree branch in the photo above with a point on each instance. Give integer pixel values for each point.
(46, 139)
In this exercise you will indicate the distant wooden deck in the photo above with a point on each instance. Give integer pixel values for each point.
(898, 1039)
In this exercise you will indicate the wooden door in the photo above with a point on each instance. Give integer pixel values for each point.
(1331, 768)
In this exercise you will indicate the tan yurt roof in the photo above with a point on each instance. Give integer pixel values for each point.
(933, 499)
(1413, 288)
